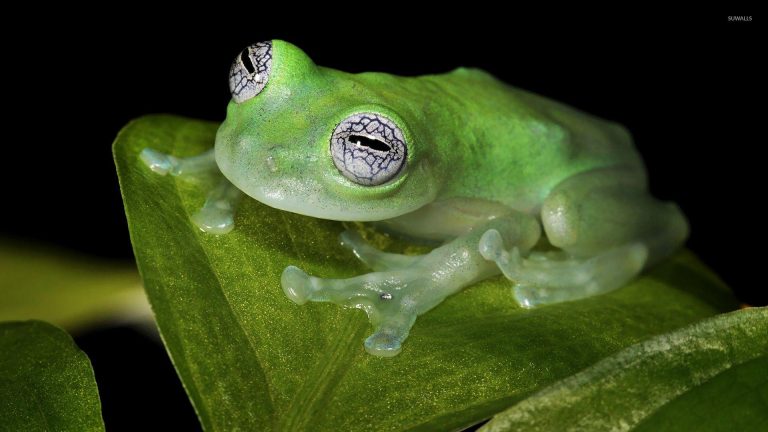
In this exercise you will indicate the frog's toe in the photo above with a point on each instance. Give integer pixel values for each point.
(160, 163)
(214, 220)
(491, 245)
(296, 284)
(529, 296)
(383, 344)
(392, 326)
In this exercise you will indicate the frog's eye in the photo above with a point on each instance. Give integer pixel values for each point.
(250, 71)
(368, 148)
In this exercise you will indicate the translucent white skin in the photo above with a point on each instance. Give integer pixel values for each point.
(602, 222)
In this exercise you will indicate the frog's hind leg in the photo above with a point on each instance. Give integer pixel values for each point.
(608, 229)
(543, 278)
(217, 214)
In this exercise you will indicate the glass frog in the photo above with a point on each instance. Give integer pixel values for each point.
(503, 180)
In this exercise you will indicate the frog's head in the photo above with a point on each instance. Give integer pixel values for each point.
(321, 142)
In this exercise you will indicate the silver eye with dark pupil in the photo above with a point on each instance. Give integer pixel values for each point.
(250, 71)
(368, 148)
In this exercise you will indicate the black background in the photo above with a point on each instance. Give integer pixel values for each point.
(683, 84)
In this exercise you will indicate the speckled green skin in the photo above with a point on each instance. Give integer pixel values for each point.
(469, 135)
(509, 182)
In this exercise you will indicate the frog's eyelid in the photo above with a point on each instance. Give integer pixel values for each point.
(368, 148)
(250, 71)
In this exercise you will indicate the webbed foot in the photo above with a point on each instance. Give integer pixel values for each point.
(543, 278)
(402, 288)
(383, 296)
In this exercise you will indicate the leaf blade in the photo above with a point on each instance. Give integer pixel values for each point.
(67, 290)
(475, 354)
(627, 390)
(736, 399)
(46, 382)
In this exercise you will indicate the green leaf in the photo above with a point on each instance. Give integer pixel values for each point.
(46, 382)
(711, 376)
(251, 359)
(65, 289)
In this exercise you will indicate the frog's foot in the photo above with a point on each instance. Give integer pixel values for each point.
(547, 278)
(373, 257)
(387, 297)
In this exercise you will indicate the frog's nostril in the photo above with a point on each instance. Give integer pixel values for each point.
(272, 157)
(271, 163)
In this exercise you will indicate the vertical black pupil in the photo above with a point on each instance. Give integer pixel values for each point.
(246, 59)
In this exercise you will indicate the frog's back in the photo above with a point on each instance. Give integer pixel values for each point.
(516, 146)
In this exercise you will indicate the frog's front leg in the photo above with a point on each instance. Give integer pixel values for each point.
(405, 286)
(217, 214)
(372, 257)
(163, 164)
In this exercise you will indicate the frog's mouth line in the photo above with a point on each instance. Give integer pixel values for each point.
(312, 199)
